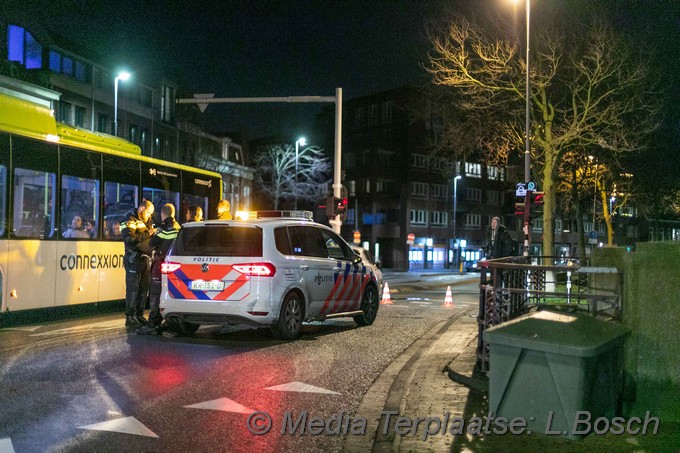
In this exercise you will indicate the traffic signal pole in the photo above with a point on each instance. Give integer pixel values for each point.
(202, 100)
(527, 223)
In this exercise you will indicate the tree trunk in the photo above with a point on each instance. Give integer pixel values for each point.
(549, 201)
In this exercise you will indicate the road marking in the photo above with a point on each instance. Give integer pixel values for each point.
(126, 425)
(23, 329)
(301, 387)
(104, 325)
(223, 404)
(6, 445)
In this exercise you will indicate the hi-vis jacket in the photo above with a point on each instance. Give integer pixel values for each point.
(165, 234)
(136, 235)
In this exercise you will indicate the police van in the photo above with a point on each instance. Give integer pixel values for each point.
(266, 268)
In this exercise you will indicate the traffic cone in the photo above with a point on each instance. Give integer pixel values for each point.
(448, 299)
(386, 300)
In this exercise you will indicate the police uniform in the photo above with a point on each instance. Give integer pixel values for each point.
(160, 244)
(137, 261)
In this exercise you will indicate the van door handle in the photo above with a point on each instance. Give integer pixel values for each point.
(304, 267)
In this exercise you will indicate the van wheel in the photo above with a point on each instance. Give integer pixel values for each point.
(289, 324)
(183, 327)
(369, 306)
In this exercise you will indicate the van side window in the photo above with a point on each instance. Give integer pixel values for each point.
(310, 241)
(335, 246)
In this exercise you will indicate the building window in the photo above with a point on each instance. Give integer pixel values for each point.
(80, 116)
(386, 114)
(494, 172)
(103, 123)
(537, 224)
(166, 103)
(419, 189)
(65, 110)
(22, 48)
(438, 218)
(418, 161)
(438, 190)
(372, 115)
(473, 221)
(473, 170)
(385, 157)
(558, 225)
(132, 135)
(494, 197)
(359, 117)
(473, 194)
(418, 217)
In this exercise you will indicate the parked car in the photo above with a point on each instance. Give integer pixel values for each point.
(276, 271)
(367, 258)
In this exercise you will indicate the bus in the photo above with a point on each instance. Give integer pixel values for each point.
(55, 177)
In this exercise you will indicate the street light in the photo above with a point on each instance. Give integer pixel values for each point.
(527, 142)
(124, 75)
(455, 203)
(300, 141)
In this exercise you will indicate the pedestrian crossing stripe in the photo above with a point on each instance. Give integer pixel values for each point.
(126, 425)
(223, 404)
(301, 387)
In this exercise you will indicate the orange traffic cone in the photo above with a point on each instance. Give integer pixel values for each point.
(448, 299)
(386, 300)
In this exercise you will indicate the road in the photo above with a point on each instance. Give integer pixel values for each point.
(92, 385)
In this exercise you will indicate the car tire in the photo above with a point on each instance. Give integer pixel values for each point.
(183, 327)
(369, 306)
(289, 325)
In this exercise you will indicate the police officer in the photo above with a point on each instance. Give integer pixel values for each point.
(137, 231)
(160, 243)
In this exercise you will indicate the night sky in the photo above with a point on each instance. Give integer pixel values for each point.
(240, 48)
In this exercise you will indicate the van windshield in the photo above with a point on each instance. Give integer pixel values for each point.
(218, 240)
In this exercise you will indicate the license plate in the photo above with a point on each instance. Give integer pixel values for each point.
(207, 286)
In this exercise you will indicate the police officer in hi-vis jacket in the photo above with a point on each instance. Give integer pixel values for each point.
(137, 231)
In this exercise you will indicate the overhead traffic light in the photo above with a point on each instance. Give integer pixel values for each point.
(536, 202)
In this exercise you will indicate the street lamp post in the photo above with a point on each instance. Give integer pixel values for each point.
(300, 141)
(124, 75)
(455, 206)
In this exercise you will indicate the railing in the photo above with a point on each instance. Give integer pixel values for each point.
(511, 287)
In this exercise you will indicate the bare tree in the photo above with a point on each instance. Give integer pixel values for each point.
(276, 176)
(588, 89)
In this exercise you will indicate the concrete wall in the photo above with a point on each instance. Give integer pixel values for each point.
(651, 309)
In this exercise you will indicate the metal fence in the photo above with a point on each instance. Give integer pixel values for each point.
(511, 287)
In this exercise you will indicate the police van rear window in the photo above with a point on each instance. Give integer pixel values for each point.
(219, 240)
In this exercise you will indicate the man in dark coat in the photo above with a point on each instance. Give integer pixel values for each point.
(137, 231)
(499, 243)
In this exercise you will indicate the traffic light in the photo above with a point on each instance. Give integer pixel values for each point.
(340, 206)
(330, 207)
(519, 208)
(538, 199)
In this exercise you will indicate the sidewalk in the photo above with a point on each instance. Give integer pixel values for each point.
(417, 386)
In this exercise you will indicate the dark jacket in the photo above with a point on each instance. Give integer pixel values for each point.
(163, 239)
(499, 245)
(136, 234)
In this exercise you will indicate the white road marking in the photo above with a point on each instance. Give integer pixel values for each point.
(104, 325)
(126, 425)
(223, 404)
(23, 329)
(301, 387)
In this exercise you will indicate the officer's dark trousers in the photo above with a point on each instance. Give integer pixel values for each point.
(137, 281)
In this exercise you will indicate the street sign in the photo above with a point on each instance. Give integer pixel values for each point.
(357, 237)
(521, 189)
(410, 239)
(531, 186)
(592, 237)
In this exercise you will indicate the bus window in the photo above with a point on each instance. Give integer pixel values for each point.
(119, 200)
(79, 198)
(196, 200)
(33, 205)
(160, 197)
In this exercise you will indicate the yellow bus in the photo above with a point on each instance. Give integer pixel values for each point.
(51, 174)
